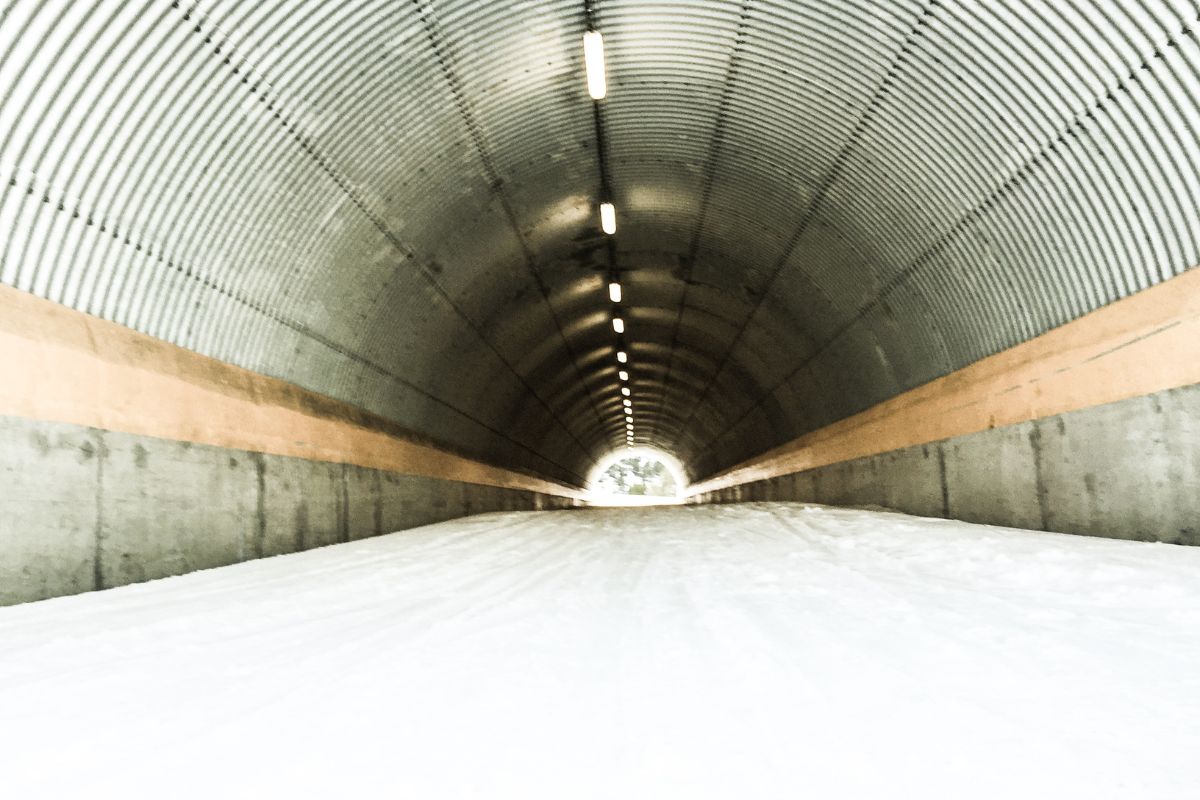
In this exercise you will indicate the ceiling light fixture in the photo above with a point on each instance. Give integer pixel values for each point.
(621, 356)
(608, 218)
(614, 292)
(593, 59)
(618, 325)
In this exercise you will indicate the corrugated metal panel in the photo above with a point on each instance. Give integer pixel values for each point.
(821, 202)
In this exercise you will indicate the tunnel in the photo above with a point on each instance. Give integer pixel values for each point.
(287, 274)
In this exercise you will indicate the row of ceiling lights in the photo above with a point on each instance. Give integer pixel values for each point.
(593, 57)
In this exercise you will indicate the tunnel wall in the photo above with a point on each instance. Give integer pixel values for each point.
(1090, 428)
(84, 508)
(124, 458)
(1126, 470)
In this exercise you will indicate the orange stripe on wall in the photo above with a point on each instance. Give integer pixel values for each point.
(1146, 343)
(61, 365)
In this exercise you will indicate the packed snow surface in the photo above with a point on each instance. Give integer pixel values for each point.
(755, 651)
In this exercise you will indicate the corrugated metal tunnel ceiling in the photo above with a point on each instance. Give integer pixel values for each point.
(821, 203)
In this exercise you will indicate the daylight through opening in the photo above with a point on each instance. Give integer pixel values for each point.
(637, 476)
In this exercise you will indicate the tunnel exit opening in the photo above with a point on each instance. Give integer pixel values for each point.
(637, 476)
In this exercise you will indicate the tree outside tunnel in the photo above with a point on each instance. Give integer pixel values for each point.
(639, 476)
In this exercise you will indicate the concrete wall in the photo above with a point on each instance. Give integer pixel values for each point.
(83, 509)
(1127, 470)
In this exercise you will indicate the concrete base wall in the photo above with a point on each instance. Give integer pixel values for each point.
(84, 509)
(1127, 470)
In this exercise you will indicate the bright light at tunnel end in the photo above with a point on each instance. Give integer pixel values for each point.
(632, 450)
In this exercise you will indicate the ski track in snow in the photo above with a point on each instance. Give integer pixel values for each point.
(761, 650)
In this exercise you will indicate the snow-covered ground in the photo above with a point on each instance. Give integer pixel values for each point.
(757, 651)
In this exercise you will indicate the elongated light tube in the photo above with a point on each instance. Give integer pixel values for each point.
(608, 218)
(618, 325)
(593, 59)
(614, 292)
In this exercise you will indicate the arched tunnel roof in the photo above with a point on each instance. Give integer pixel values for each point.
(821, 203)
